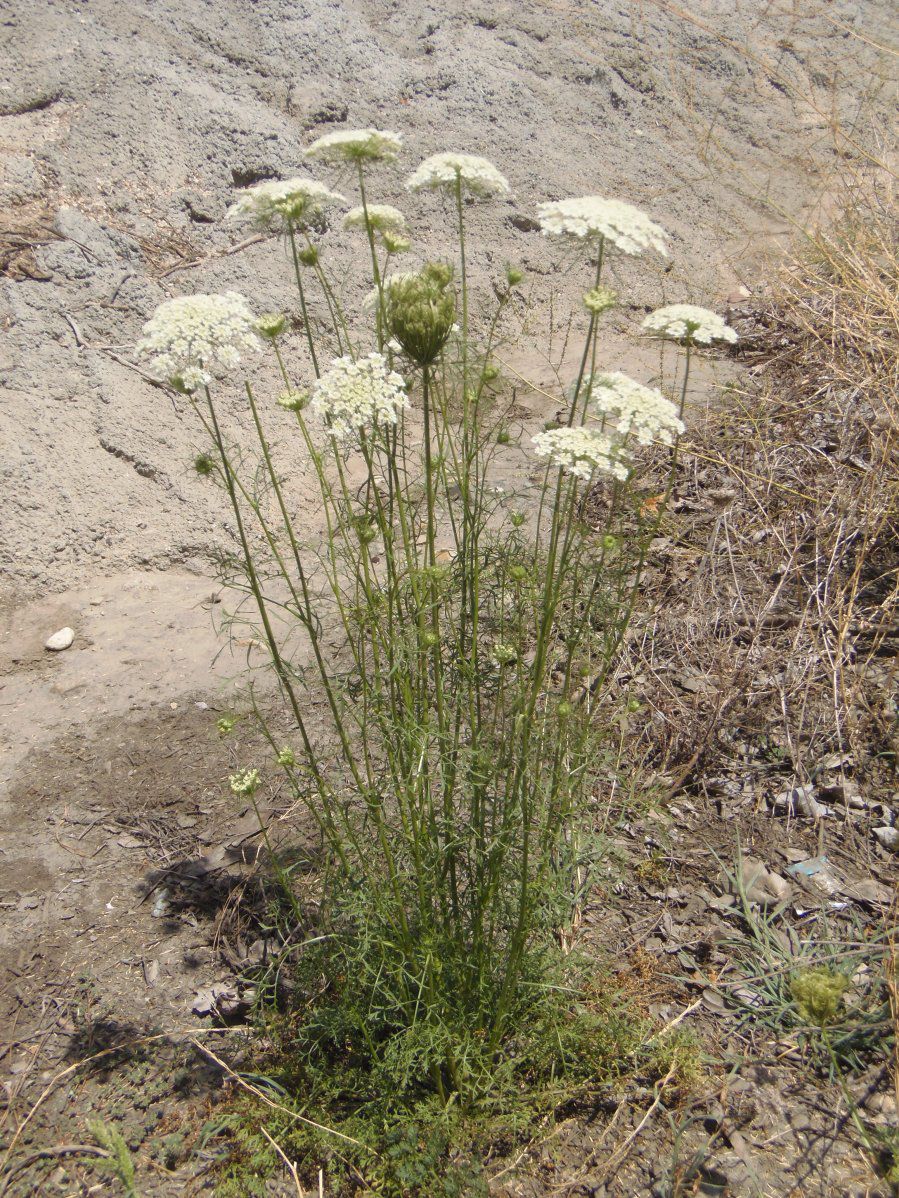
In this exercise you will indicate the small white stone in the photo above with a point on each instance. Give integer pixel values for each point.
(888, 837)
(60, 640)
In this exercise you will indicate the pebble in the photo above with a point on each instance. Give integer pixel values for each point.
(801, 801)
(60, 640)
(888, 837)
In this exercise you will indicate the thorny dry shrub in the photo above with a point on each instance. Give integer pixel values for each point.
(773, 648)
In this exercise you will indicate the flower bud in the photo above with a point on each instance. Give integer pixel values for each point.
(270, 325)
(308, 256)
(420, 312)
(490, 372)
(514, 275)
(177, 383)
(518, 573)
(818, 994)
(599, 300)
(226, 724)
(287, 757)
(204, 465)
(365, 532)
(517, 519)
(502, 437)
(504, 654)
(438, 273)
(435, 574)
(395, 243)
(293, 400)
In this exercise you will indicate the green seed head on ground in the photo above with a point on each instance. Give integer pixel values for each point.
(818, 994)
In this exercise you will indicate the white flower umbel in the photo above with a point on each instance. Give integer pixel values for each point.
(690, 323)
(354, 396)
(623, 225)
(190, 340)
(244, 782)
(477, 176)
(503, 654)
(356, 145)
(383, 218)
(638, 410)
(281, 200)
(581, 452)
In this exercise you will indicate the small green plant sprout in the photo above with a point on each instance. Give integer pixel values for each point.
(818, 994)
(456, 627)
(119, 1158)
(676, 1054)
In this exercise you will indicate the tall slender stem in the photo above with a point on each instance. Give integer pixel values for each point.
(375, 269)
(299, 277)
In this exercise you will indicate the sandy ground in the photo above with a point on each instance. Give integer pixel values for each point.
(125, 130)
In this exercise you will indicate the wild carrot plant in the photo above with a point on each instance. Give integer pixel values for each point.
(458, 633)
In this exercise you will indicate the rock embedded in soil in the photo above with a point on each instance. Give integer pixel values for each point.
(800, 800)
(60, 640)
(888, 837)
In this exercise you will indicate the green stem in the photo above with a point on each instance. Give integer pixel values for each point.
(375, 270)
(436, 653)
(299, 277)
(338, 320)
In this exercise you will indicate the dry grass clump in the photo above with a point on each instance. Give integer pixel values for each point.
(774, 649)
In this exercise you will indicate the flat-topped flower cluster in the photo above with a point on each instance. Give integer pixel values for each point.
(356, 145)
(641, 411)
(581, 452)
(191, 339)
(383, 218)
(593, 217)
(353, 396)
(690, 323)
(474, 175)
(284, 200)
